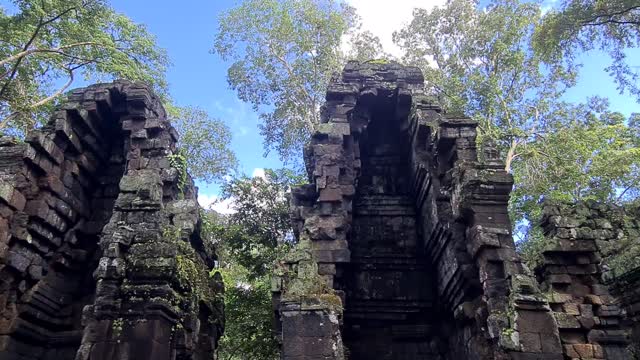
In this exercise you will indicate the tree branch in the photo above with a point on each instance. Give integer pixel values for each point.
(624, 192)
(609, 15)
(40, 25)
(311, 124)
(48, 98)
(511, 155)
(14, 69)
(58, 50)
(611, 21)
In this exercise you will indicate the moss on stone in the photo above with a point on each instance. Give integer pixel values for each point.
(303, 283)
(117, 326)
(194, 279)
(378, 61)
(179, 162)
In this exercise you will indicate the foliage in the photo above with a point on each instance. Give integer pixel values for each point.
(364, 46)
(248, 312)
(260, 228)
(117, 326)
(582, 25)
(212, 225)
(204, 143)
(590, 153)
(480, 62)
(47, 44)
(179, 162)
(248, 243)
(532, 241)
(193, 277)
(283, 54)
(593, 153)
(483, 62)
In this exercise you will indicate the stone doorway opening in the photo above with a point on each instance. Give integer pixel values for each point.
(390, 291)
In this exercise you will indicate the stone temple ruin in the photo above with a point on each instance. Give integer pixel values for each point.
(404, 245)
(100, 251)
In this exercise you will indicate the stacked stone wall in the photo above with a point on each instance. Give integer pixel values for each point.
(100, 252)
(489, 306)
(589, 274)
(627, 289)
(588, 316)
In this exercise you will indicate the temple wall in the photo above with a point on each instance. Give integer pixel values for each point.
(488, 305)
(627, 289)
(589, 261)
(100, 252)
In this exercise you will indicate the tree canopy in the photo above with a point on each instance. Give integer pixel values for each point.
(204, 142)
(250, 241)
(282, 54)
(589, 153)
(260, 228)
(486, 63)
(47, 44)
(480, 62)
(577, 26)
(505, 63)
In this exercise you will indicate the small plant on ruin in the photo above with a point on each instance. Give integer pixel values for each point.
(179, 162)
(378, 61)
(117, 326)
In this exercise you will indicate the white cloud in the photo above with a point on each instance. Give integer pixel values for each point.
(383, 18)
(205, 200)
(259, 172)
(242, 131)
(238, 116)
(548, 5)
(224, 206)
(213, 202)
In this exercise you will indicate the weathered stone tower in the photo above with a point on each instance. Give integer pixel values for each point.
(100, 250)
(405, 249)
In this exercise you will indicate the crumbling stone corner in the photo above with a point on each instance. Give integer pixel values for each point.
(100, 250)
(408, 226)
(580, 240)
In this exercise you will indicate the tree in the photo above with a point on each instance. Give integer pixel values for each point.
(260, 228)
(480, 62)
(364, 46)
(204, 142)
(249, 317)
(612, 26)
(47, 44)
(283, 54)
(591, 153)
(250, 241)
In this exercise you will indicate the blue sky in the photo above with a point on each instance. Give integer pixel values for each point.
(198, 78)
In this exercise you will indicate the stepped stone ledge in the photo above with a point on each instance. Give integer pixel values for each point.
(101, 256)
(406, 250)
